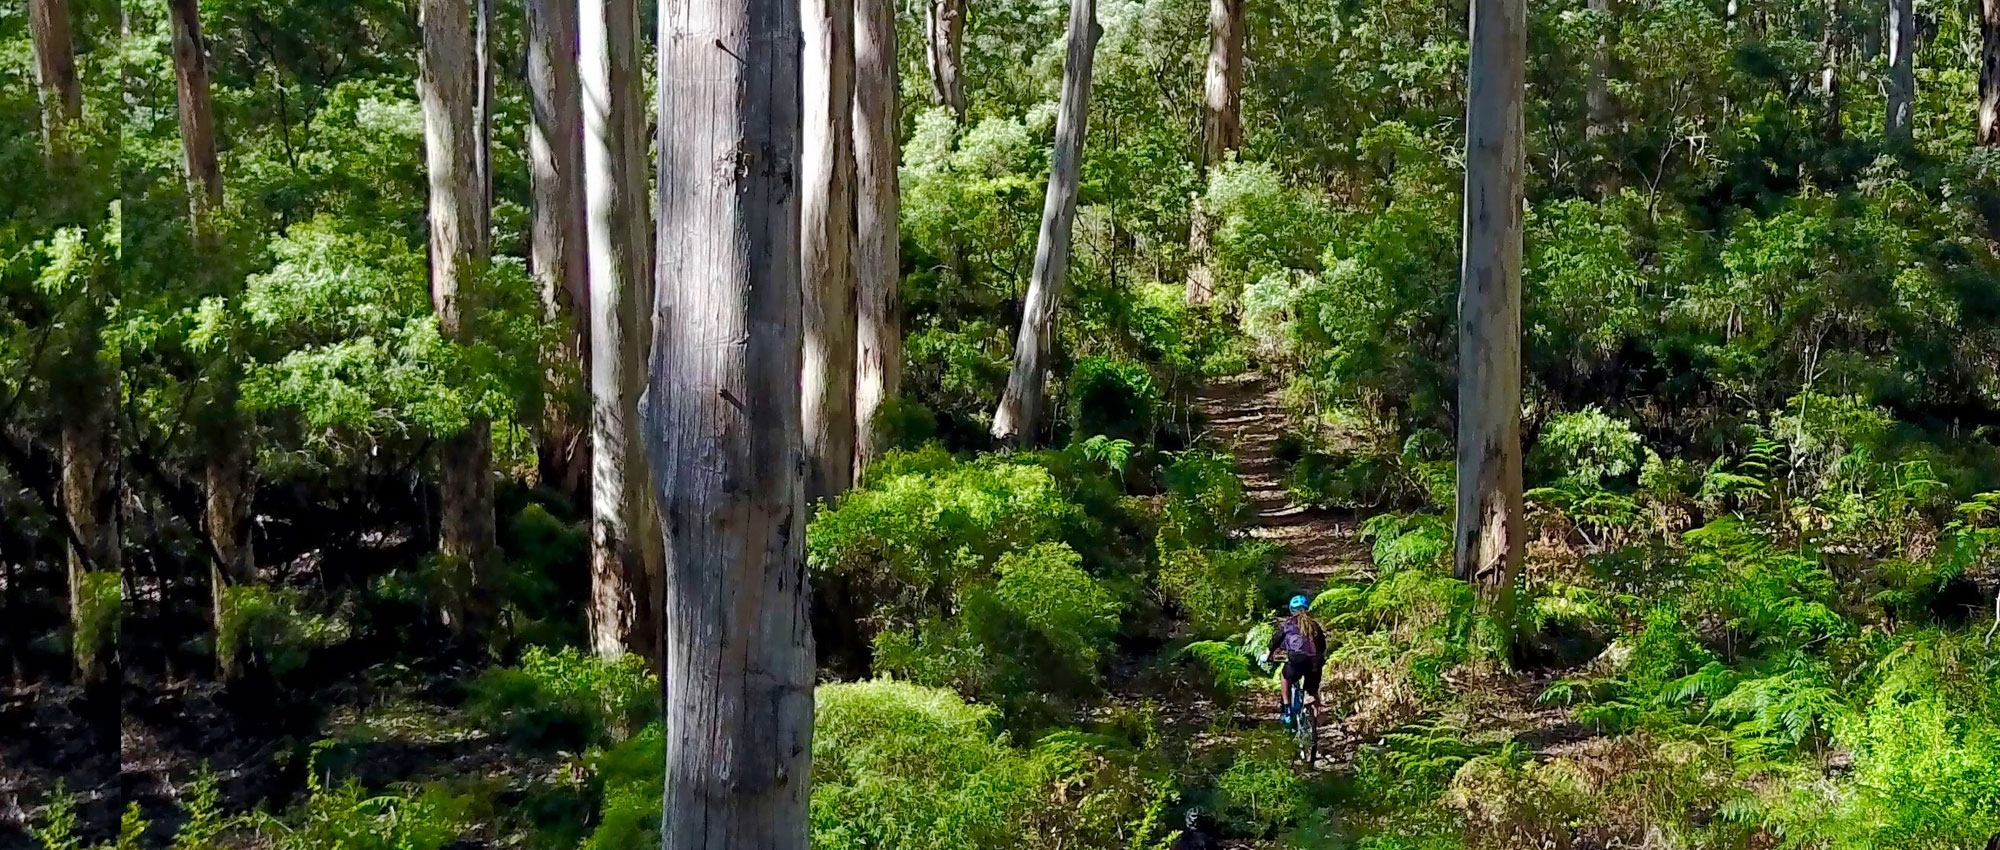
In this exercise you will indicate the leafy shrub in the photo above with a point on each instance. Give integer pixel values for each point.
(567, 697)
(268, 629)
(1588, 447)
(1225, 669)
(345, 816)
(1048, 589)
(1260, 793)
(1219, 591)
(927, 527)
(1117, 398)
(903, 423)
(904, 767)
(100, 606)
(1205, 502)
(632, 775)
(58, 820)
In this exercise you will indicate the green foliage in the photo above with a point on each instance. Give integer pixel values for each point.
(1205, 503)
(205, 821)
(1048, 589)
(99, 609)
(58, 821)
(1218, 591)
(903, 767)
(1118, 398)
(1260, 792)
(631, 775)
(1587, 447)
(348, 817)
(269, 630)
(566, 697)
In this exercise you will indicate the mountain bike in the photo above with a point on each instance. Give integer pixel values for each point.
(1305, 727)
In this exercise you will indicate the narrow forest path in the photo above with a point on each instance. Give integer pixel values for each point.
(1246, 417)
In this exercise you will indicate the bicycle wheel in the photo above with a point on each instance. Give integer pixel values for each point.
(1306, 732)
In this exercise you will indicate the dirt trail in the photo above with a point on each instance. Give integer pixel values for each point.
(1246, 417)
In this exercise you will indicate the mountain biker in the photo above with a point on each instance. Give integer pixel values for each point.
(1304, 643)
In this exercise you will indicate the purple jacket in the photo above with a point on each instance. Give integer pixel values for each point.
(1299, 636)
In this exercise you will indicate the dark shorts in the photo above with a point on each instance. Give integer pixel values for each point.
(1307, 667)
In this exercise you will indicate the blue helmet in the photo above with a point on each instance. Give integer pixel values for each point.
(1300, 603)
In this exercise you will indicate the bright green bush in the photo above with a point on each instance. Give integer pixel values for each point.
(904, 767)
(345, 816)
(566, 697)
(1260, 793)
(99, 608)
(1588, 447)
(1047, 588)
(1117, 398)
(1218, 591)
(269, 630)
(1205, 503)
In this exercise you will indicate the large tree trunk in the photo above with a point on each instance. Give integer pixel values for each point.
(88, 391)
(827, 250)
(1488, 535)
(229, 483)
(625, 546)
(1601, 110)
(1989, 72)
(944, 52)
(723, 432)
(1221, 132)
(1830, 50)
(556, 251)
(878, 270)
(55, 75)
(448, 87)
(1019, 412)
(1902, 79)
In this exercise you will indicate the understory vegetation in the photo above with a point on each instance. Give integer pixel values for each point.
(1761, 432)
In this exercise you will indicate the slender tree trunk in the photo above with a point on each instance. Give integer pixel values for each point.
(1989, 72)
(55, 75)
(1019, 413)
(723, 432)
(1902, 79)
(448, 87)
(1489, 529)
(944, 52)
(197, 113)
(625, 544)
(878, 273)
(1221, 132)
(827, 250)
(1601, 109)
(482, 109)
(1831, 47)
(88, 391)
(556, 251)
(227, 471)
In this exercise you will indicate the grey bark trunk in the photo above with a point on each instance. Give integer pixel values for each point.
(625, 535)
(448, 87)
(1597, 102)
(55, 75)
(556, 251)
(878, 272)
(944, 52)
(723, 431)
(1902, 79)
(1831, 48)
(227, 472)
(1019, 413)
(827, 248)
(1989, 72)
(88, 393)
(1488, 536)
(1222, 132)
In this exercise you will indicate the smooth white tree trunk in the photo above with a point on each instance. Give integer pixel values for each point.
(448, 87)
(826, 250)
(944, 52)
(1222, 132)
(1019, 413)
(1989, 72)
(625, 535)
(556, 251)
(878, 274)
(723, 428)
(1488, 536)
(1902, 77)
